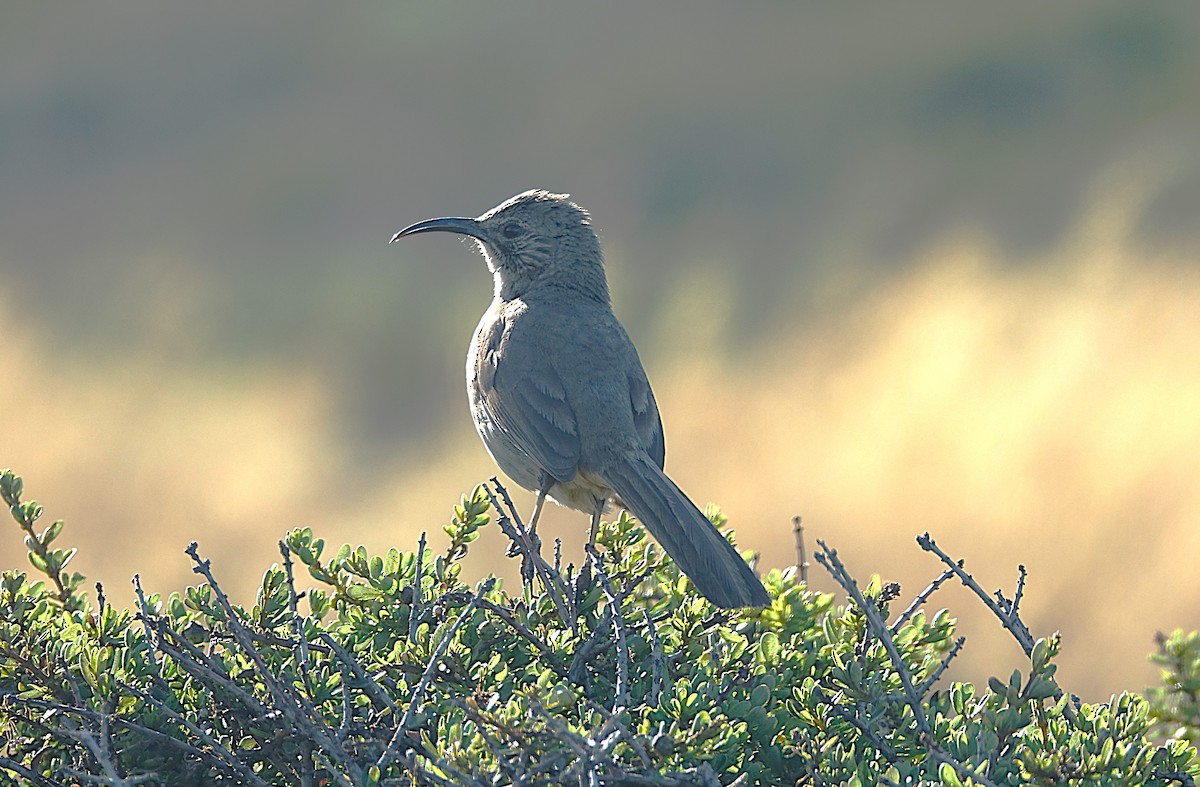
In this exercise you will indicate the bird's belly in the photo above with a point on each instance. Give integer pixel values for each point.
(584, 492)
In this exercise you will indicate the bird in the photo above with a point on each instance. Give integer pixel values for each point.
(558, 393)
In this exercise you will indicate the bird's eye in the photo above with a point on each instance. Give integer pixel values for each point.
(512, 230)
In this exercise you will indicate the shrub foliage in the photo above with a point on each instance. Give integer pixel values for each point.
(359, 669)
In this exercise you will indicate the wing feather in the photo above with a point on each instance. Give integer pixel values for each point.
(525, 400)
(646, 419)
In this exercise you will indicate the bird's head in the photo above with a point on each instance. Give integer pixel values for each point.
(533, 240)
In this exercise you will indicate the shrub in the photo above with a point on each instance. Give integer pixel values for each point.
(391, 670)
(1175, 705)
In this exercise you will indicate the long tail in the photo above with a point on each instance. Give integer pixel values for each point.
(699, 549)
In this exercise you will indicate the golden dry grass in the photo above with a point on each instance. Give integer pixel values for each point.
(1046, 413)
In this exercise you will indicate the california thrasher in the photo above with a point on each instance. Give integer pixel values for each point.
(559, 395)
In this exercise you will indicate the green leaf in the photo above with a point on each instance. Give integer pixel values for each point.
(362, 592)
(51, 533)
(28, 512)
(948, 776)
(64, 556)
(392, 562)
(13, 487)
(1040, 687)
(769, 647)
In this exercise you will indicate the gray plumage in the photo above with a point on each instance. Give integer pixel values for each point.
(558, 393)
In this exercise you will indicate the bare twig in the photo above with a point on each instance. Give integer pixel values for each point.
(510, 524)
(1020, 592)
(837, 570)
(622, 687)
(372, 686)
(927, 684)
(347, 719)
(1007, 613)
(833, 704)
(585, 749)
(290, 702)
(99, 749)
(217, 753)
(145, 617)
(658, 664)
(300, 650)
(205, 668)
(921, 598)
(509, 766)
(626, 735)
(521, 629)
(19, 769)
(597, 641)
(801, 555)
(414, 609)
(349, 665)
(418, 695)
(101, 601)
(829, 559)
(89, 778)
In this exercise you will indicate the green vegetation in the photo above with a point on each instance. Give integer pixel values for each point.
(391, 670)
(1176, 704)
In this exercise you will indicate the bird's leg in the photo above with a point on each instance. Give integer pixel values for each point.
(545, 481)
(596, 522)
(584, 581)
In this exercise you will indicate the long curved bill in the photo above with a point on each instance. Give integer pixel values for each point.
(455, 224)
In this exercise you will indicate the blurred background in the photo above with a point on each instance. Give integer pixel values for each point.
(892, 268)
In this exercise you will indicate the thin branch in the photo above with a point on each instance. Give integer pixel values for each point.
(801, 555)
(937, 673)
(100, 754)
(21, 770)
(418, 695)
(229, 764)
(583, 748)
(618, 619)
(372, 686)
(414, 609)
(882, 746)
(658, 664)
(521, 629)
(144, 606)
(515, 530)
(101, 601)
(1011, 621)
(614, 720)
(833, 564)
(223, 757)
(596, 642)
(837, 569)
(921, 598)
(300, 650)
(294, 705)
(202, 666)
(1021, 576)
